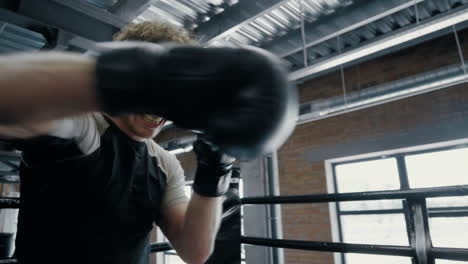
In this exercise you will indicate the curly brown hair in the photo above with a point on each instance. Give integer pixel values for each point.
(154, 32)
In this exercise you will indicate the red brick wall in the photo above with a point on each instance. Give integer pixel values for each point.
(300, 175)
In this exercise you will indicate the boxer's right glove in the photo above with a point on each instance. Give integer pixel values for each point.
(240, 98)
(214, 170)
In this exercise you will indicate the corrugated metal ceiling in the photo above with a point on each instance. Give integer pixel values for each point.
(287, 17)
(184, 12)
(14, 38)
(279, 21)
(275, 23)
(103, 3)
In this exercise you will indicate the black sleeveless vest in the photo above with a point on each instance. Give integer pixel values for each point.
(97, 208)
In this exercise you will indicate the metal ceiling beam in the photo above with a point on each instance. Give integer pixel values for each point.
(19, 20)
(341, 22)
(79, 18)
(83, 43)
(234, 17)
(64, 37)
(93, 11)
(389, 41)
(424, 39)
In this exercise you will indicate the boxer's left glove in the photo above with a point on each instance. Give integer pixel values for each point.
(214, 170)
(240, 98)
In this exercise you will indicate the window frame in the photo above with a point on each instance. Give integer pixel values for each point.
(399, 155)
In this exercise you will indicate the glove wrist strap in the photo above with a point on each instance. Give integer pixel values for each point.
(211, 182)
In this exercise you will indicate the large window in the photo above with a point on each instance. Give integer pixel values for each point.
(384, 222)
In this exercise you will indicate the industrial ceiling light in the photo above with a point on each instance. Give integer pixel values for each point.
(415, 32)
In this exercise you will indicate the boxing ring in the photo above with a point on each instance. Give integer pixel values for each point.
(420, 249)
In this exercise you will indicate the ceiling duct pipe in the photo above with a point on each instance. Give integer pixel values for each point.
(380, 94)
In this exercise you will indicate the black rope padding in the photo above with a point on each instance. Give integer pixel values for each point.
(460, 190)
(331, 246)
(449, 253)
(437, 253)
(160, 247)
(8, 261)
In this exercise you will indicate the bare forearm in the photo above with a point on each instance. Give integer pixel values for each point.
(201, 224)
(44, 86)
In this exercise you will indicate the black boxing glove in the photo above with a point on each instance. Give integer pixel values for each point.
(239, 98)
(213, 170)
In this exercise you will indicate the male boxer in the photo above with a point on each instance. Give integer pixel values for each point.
(92, 184)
